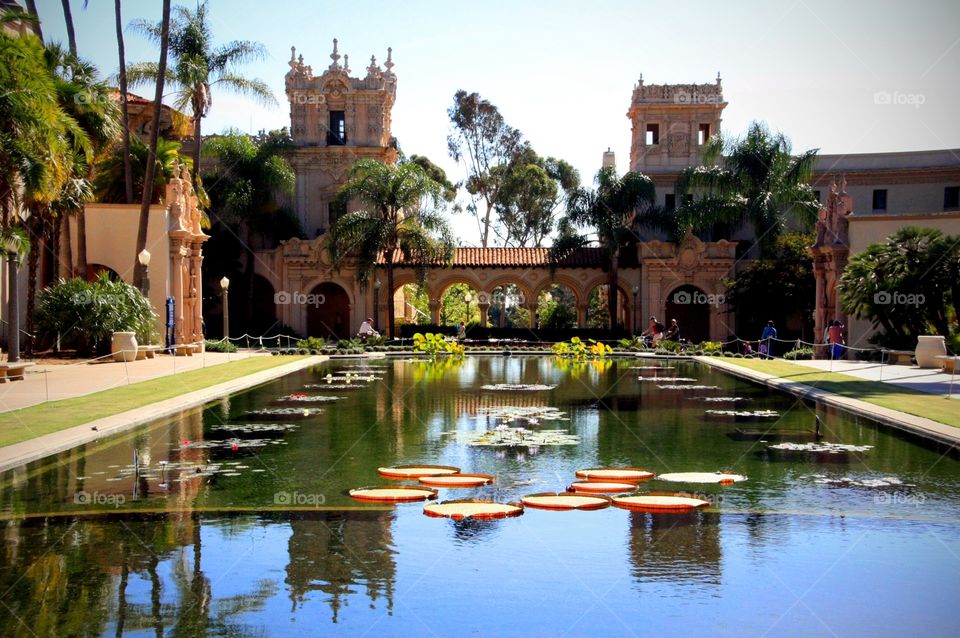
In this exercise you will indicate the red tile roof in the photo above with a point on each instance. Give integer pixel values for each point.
(515, 258)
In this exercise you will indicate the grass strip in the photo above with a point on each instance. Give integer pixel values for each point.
(28, 423)
(924, 404)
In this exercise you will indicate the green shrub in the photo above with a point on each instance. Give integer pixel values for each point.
(711, 346)
(219, 346)
(312, 343)
(799, 353)
(436, 344)
(85, 314)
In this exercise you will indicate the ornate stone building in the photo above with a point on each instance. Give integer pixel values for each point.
(335, 120)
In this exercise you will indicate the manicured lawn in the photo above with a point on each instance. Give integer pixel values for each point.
(28, 423)
(931, 406)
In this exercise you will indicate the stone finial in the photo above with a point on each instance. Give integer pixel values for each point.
(641, 80)
(389, 62)
(718, 78)
(833, 185)
(843, 184)
(335, 56)
(346, 63)
(293, 53)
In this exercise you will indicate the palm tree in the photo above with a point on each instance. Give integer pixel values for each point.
(140, 272)
(109, 184)
(615, 211)
(248, 174)
(124, 108)
(394, 221)
(198, 67)
(755, 179)
(88, 101)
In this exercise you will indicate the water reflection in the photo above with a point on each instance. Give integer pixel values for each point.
(675, 547)
(334, 552)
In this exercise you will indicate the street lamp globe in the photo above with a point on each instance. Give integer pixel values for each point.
(144, 257)
(225, 283)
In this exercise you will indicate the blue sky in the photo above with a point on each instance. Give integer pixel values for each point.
(562, 72)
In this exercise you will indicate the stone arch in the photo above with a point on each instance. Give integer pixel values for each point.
(567, 282)
(560, 309)
(690, 306)
(328, 310)
(624, 303)
(510, 280)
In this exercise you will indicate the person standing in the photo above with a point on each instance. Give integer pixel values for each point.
(766, 339)
(835, 339)
(461, 331)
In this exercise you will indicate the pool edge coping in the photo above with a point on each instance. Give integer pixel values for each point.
(917, 425)
(18, 454)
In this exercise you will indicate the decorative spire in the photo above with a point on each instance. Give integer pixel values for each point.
(389, 62)
(641, 79)
(373, 70)
(346, 63)
(335, 56)
(293, 53)
(718, 78)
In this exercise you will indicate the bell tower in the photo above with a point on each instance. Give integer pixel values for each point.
(671, 122)
(335, 120)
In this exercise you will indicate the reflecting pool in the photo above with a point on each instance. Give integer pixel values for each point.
(234, 519)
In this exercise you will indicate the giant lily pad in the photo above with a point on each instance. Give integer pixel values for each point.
(659, 503)
(472, 508)
(723, 478)
(404, 472)
(554, 501)
(619, 474)
(393, 494)
(457, 480)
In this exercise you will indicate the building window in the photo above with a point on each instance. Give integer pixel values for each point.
(951, 197)
(880, 199)
(670, 202)
(335, 210)
(653, 134)
(337, 135)
(703, 134)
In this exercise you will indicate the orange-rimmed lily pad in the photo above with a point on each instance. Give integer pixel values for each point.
(601, 487)
(405, 472)
(393, 494)
(618, 474)
(723, 478)
(472, 508)
(457, 480)
(659, 503)
(554, 501)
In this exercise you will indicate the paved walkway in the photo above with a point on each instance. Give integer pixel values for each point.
(15, 455)
(63, 381)
(921, 426)
(921, 379)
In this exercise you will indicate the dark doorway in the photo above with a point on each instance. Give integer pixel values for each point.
(691, 308)
(328, 312)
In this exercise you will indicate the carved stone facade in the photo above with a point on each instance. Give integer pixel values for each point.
(830, 253)
(335, 120)
(670, 122)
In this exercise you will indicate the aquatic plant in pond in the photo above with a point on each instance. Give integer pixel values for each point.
(580, 350)
(517, 387)
(532, 415)
(505, 436)
(436, 344)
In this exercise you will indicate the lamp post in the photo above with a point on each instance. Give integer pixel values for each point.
(144, 259)
(376, 302)
(467, 298)
(636, 291)
(13, 335)
(225, 285)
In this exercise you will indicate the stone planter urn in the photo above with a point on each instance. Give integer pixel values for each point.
(123, 346)
(929, 347)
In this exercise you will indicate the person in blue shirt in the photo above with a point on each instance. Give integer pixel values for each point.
(766, 339)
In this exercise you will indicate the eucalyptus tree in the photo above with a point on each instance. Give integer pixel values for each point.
(482, 139)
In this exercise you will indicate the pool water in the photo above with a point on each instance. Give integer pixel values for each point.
(232, 524)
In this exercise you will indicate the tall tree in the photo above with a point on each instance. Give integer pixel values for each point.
(488, 146)
(198, 66)
(752, 179)
(124, 106)
(249, 173)
(613, 211)
(68, 19)
(395, 220)
(32, 10)
(139, 270)
(533, 191)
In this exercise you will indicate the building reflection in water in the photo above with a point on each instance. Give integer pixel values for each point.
(675, 547)
(334, 552)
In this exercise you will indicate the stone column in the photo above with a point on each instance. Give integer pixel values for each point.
(435, 310)
(582, 315)
(176, 277)
(484, 308)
